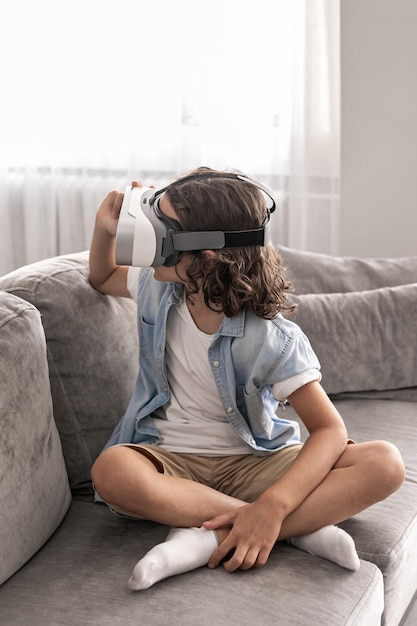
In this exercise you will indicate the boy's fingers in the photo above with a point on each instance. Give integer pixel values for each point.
(225, 519)
(218, 555)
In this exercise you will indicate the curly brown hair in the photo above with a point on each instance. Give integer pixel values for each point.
(232, 279)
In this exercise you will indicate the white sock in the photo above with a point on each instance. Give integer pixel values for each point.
(183, 550)
(332, 543)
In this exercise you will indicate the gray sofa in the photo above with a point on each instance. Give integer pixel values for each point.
(68, 359)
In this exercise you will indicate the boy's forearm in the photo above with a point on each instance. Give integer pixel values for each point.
(316, 459)
(324, 446)
(102, 257)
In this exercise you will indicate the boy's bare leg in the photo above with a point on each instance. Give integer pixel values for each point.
(130, 481)
(364, 474)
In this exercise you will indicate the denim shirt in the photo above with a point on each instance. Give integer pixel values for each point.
(247, 356)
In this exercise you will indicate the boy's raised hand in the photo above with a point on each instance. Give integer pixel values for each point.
(105, 275)
(109, 211)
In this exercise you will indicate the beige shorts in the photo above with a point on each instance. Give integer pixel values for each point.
(242, 476)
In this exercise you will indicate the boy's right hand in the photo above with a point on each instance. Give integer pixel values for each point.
(105, 275)
(108, 212)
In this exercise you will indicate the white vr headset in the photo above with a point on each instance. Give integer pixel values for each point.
(147, 238)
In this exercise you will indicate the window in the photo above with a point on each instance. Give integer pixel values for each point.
(134, 89)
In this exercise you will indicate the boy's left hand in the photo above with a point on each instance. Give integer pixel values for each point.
(254, 532)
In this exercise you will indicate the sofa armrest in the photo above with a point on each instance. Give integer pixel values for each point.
(34, 490)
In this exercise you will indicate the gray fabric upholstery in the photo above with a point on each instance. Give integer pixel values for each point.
(92, 355)
(365, 340)
(386, 533)
(80, 577)
(311, 272)
(360, 317)
(34, 492)
(80, 574)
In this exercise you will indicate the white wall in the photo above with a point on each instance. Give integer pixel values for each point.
(379, 127)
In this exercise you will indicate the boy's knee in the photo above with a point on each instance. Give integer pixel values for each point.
(102, 471)
(389, 465)
(117, 469)
(96, 471)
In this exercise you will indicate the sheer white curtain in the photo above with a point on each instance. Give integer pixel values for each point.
(97, 93)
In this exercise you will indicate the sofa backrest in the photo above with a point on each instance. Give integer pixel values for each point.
(313, 272)
(360, 316)
(362, 325)
(92, 354)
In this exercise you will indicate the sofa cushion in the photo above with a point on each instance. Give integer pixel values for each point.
(92, 354)
(34, 491)
(293, 589)
(386, 533)
(365, 340)
(312, 272)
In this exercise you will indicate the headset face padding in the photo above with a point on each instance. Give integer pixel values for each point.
(171, 226)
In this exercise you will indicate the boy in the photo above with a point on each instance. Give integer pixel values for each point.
(200, 447)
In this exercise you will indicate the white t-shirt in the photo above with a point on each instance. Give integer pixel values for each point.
(195, 420)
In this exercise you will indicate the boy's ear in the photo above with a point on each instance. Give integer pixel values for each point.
(209, 258)
(208, 255)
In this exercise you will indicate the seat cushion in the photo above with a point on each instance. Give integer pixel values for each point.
(80, 577)
(386, 533)
(34, 491)
(92, 355)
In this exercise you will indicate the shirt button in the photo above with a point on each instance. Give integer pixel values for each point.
(216, 363)
(229, 409)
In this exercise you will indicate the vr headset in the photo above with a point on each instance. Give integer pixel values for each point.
(146, 237)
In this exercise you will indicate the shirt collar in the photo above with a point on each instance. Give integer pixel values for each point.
(233, 326)
(230, 326)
